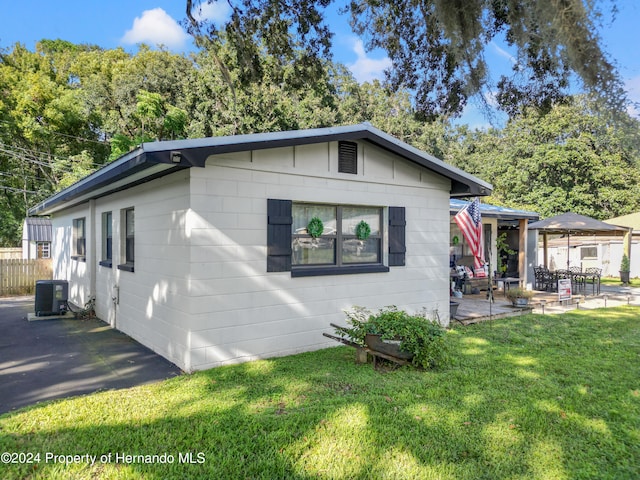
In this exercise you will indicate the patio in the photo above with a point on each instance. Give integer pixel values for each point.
(476, 308)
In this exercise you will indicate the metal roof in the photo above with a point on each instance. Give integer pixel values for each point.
(38, 229)
(494, 211)
(152, 160)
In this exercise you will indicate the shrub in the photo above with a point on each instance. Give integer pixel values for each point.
(625, 265)
(422, 337)
(514, 293)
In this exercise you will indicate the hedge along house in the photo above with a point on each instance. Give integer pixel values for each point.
(199, 249)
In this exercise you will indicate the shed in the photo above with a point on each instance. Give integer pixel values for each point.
(36, 238)
(202, 249)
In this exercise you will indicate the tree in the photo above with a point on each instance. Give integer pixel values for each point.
(44, 127)
(437, 47)
(575, 158)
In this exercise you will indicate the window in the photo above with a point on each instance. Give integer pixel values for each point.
(43, 249)
(128, 240)
(79, 240)
(588, 253)
(107, 240)
(351, 235)
(339, 249)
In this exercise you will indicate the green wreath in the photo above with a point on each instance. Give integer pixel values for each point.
(315, 227)
(363, 230)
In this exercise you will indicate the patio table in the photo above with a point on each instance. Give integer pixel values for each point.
(507, 282)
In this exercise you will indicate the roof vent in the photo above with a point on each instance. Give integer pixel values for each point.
(348, 157)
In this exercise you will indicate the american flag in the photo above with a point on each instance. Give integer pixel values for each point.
(470, 223)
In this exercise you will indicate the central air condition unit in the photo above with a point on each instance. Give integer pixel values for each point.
(51, 297)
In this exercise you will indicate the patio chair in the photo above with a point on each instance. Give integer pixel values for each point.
(577, 279)
(592, 276)
(543, 280)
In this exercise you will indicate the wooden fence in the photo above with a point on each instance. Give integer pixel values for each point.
(18, 276)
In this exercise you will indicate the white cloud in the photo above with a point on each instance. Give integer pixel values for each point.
(156, 27)
(365, 69)
(632, 86)
(216, 12)
(503, 53)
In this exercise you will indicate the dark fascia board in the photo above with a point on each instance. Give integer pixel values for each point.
(194, 153)
(110, 175)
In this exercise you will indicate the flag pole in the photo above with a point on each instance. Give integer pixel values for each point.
(490, 289)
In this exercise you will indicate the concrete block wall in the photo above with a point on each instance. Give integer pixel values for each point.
(241, 312)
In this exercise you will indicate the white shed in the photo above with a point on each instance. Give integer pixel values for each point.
(36, 238)
(199, 249)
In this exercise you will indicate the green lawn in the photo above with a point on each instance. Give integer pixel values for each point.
(633, 282)
(531, 397)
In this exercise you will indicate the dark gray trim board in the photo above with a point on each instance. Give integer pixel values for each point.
(152, 160)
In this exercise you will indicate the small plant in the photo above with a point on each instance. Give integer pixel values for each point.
(625, 265)
(514, 293)
(625, 268)
(418, 335)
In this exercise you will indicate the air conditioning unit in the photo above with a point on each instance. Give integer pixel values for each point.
(51, 297)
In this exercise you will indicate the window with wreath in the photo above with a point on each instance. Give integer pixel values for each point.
(335, 235)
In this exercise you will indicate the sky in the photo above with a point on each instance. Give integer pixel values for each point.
(126, 23)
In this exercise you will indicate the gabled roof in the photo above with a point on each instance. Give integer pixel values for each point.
(38, 229)
(632, 221)
(152, 160)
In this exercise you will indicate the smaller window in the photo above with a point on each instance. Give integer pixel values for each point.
(588, 253)
(44, 249)
(79, 240)
(129, 240)
(107, 240)
(348, 157)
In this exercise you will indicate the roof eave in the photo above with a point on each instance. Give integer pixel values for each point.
(180, 154)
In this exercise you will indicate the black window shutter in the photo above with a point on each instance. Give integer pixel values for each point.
(397, 242)
(279, 235)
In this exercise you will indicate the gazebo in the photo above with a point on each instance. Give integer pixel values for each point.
(574, 224)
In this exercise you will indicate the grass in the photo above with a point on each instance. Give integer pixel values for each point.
(530, 397)
(633, 282)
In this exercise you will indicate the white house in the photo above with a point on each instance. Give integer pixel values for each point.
(199, 249)
(36, 238)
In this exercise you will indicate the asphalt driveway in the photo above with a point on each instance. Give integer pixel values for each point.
(48, 359)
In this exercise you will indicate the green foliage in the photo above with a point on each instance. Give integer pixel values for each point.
(576, 158)
(513, 293)
(422, 337)
(625, 265)
(527, 397)
(437, 47)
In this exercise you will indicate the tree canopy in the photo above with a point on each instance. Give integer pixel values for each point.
(437, 47)
(68, 109)
(575, 158)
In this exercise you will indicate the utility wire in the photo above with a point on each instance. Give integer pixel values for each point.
(36, 156)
